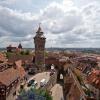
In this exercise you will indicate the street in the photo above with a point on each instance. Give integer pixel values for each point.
(57, 92)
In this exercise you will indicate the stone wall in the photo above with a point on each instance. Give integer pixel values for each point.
(52, 81)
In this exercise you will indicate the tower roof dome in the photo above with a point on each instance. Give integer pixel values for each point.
(39, 29)
(40, 32)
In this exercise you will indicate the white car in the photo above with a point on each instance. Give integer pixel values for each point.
(43, 82)
(35, 83)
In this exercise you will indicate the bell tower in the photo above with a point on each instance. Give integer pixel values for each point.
(39, 41)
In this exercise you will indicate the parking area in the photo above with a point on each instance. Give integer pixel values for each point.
(38, 77)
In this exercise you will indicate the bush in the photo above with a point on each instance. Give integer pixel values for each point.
(8, 54)
(22, 52)
(48, 96)
(27, 52)
(35, 94)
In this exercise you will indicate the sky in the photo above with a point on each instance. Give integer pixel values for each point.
(65, 23)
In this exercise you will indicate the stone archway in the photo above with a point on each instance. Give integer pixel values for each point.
(60, 76)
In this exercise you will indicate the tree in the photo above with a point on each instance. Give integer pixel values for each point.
(27, 52)
(22, 52)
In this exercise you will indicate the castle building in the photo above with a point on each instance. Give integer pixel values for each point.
(39, 41)
(11, 49)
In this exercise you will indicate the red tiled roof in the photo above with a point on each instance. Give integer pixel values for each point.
(94, 78)
(20, 69)
(8, 76)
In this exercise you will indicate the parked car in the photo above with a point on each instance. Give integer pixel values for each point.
(30, 82)
(31, 71)
(43, 82)
(35, 83)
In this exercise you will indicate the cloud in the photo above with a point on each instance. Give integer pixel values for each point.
(16, 23)
(65, 24)
(16, 26)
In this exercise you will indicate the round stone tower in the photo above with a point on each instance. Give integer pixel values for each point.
(39, 41)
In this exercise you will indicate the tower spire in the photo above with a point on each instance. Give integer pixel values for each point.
(39, 31)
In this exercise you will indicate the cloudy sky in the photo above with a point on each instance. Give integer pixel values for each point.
(66, 23)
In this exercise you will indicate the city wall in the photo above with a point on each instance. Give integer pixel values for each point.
(52, 81)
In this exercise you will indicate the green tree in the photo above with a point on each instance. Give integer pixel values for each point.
(22, 53)
(27, 52)
(48, 96)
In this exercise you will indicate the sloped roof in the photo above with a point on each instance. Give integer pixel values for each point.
(8, 76)
(94, 78)
(20, 69)
(39, 30)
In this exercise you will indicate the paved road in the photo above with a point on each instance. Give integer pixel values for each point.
(57, 92)
(38, 77)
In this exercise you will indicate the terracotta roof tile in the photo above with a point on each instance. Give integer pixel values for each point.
(20, 69)
(8, 76)
(94, 78)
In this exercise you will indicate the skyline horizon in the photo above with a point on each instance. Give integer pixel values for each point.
(58, 47)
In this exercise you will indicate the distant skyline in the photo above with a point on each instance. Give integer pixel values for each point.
(66, 23)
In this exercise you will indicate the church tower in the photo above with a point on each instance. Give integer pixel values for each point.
(39, 41)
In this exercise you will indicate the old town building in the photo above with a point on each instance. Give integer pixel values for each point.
(76, 89)
(11, 49)
(8, 82)
(94, 78)
(10, 76)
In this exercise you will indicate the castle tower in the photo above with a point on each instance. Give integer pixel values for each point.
(39, 41)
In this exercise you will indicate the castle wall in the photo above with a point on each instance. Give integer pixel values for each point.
(52, 81)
